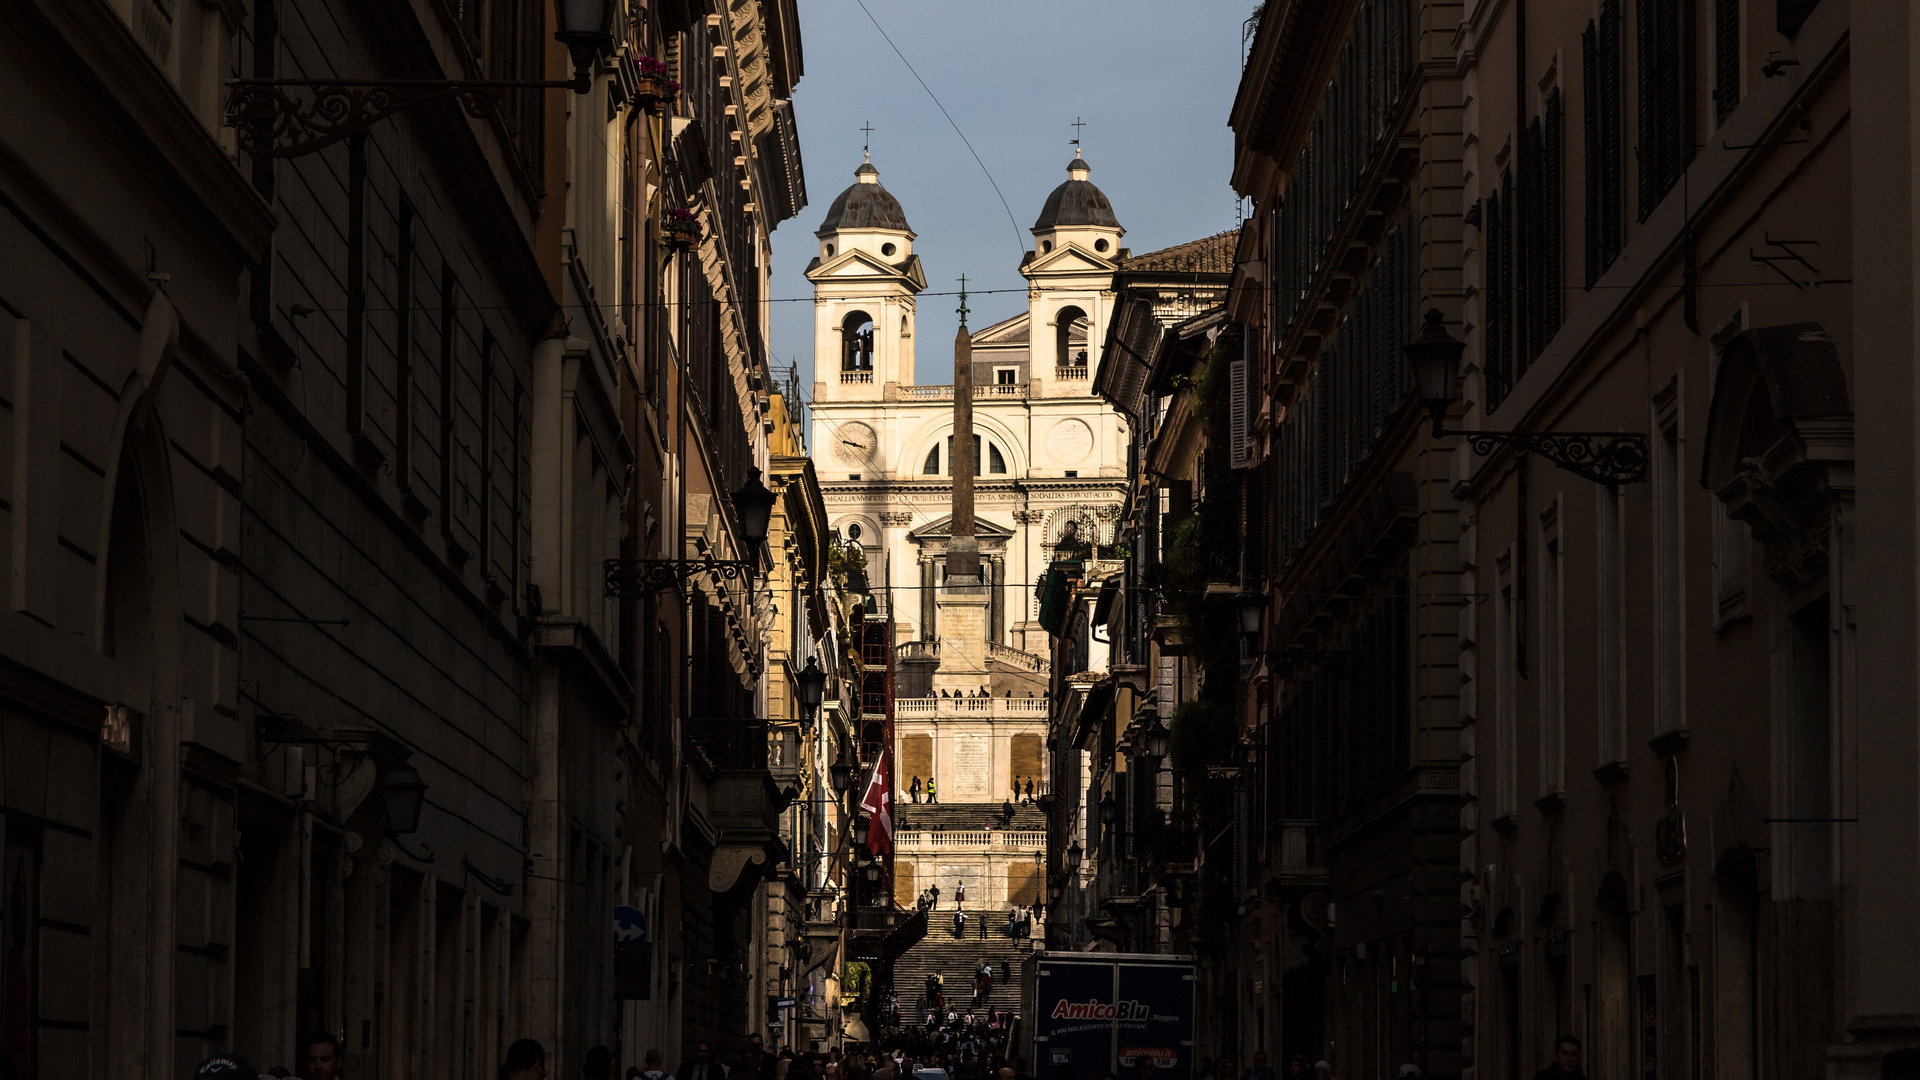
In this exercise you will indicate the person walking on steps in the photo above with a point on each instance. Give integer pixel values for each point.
(931, 797)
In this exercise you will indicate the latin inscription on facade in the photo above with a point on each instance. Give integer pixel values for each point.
(972, 766)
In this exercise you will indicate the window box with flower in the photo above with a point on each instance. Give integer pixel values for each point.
(680, 230)
(656, 90)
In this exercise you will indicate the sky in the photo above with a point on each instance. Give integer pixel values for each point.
(1153, 81)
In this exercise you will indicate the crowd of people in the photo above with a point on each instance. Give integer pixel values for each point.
(947, 1045)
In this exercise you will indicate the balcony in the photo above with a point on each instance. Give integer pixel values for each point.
(856, 376)
(744, 801)
(1070, 371)
(978, 707)
(970, 842)
(945, 393)
(1299, 861)
(916, 650)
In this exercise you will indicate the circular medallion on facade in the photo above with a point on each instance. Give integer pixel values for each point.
(854, 443)
(1070, 441)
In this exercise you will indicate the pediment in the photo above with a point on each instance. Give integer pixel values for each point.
(942, 529)
(1069, 258)
(860, 264)
(1012, 331)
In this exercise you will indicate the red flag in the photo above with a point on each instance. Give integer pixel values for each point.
(877, 804)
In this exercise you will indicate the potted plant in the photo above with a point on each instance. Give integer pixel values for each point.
(655, 90)
(680, 229)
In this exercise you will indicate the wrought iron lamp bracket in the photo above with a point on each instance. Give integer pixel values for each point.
(272, 122)
(633, 579)
(1604, 457)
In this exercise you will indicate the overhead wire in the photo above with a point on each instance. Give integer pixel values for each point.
(1019, 243)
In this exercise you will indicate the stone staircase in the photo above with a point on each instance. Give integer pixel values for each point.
(955, 959)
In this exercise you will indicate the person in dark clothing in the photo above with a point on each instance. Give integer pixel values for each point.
(598, 1064)
(1566, 1061)
(701, 1065)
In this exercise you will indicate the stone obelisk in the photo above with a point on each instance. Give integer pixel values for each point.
(962, 601)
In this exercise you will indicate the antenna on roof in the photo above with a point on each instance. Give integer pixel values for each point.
(963, 300)
(866, 149)
(1075, 141)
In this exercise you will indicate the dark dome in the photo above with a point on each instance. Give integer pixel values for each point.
(865, 205)
(1076, 202)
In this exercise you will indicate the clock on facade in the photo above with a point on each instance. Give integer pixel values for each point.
(854, 444)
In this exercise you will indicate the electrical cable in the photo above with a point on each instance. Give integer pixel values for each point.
(1019, 243)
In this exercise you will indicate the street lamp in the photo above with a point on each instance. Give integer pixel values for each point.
(813, 687)
(755, 505)
(860, 828)
(586, 27)
(1073, 856)
(1604, 457)
(1109, 809)
(1157, 739)
(1252, 606)
(1435, 358)
(841, 774)
(401, 794)
(634, 578)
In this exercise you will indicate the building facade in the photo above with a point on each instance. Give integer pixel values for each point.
(1567, 704)
(324, 713)
(970, 713)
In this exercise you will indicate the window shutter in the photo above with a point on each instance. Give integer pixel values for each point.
(1590, 109)
(1552, 219)
(1726, 57)
(1613, 199)
(1237, 408)
(1532, 233)
(1646, 27)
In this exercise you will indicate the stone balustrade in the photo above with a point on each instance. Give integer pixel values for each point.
(916, 840)
(979, 707)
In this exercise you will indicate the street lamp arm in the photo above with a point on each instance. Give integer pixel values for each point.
(264, 113)
(1604, 457)
(632, 579)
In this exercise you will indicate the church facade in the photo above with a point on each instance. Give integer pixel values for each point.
(1048, 473)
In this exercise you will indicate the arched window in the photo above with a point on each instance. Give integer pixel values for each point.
(996, 461)
(1070, 339)
(856, 342)
(932, 467)
(976, 454)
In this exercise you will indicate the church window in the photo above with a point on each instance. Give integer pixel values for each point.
(1046, 246)
(932, 467)
(976, 455)
(1070, 330)
(829, 251)
(996, 461)
(856, 342)
(887, 249)
(1099, 245)
(1006, 376)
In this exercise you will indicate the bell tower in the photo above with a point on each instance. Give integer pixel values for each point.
(1070, 277)
(865, 280)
